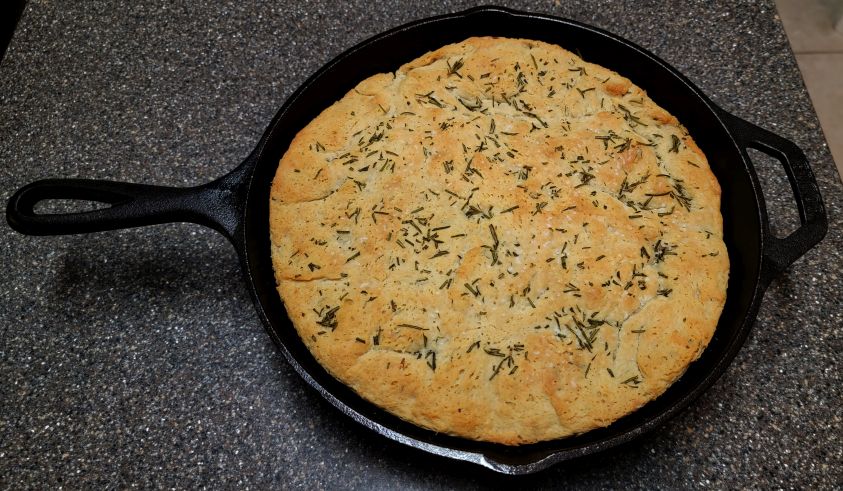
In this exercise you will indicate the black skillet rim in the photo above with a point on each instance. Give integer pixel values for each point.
(479, 456)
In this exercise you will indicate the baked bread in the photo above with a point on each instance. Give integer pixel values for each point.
(500, 241)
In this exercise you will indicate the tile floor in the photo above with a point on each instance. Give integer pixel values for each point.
(810, 27)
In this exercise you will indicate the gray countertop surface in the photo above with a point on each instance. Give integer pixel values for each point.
(136, 357)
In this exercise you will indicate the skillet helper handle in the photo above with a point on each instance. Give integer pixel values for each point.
(217, 205)
(779, 253)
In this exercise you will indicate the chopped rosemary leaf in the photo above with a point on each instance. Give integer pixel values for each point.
(474, 290)
(675, 146)
(412, 326)
(353, 257)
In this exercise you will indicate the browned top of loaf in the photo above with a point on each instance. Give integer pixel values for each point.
(500, 241)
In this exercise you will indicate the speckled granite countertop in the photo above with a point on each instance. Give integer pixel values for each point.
(136, 357)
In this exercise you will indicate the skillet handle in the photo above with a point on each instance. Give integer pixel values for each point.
(779, 253)
(218, 205)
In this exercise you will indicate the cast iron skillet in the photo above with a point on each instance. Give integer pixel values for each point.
(237, 206)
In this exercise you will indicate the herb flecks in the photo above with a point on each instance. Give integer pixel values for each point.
(329, 319)
(632, 382)
(353, 257)
(413, 326)
(675, 144)
(630, 118)
(678, 193)
(628, 187)
(584, 91)
(505, 362)
(429, 98)
(430, 357)
(493, 249)
(455, 68)
(661, 250)
(473, 289)
(474, 105)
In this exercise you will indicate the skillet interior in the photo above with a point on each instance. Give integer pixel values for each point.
(743, 231)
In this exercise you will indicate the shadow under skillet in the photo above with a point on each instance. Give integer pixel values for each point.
(10, 14)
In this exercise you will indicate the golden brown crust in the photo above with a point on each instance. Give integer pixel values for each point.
(500, 241)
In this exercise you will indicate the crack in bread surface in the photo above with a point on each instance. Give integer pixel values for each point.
(500, 241)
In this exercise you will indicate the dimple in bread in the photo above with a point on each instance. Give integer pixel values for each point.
(500, 241)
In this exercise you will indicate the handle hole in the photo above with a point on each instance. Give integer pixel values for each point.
(778, 195)
(65, 206)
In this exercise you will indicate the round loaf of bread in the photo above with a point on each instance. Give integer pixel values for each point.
(500, 241)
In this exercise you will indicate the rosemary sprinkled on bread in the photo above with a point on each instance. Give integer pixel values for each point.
(500, 241)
